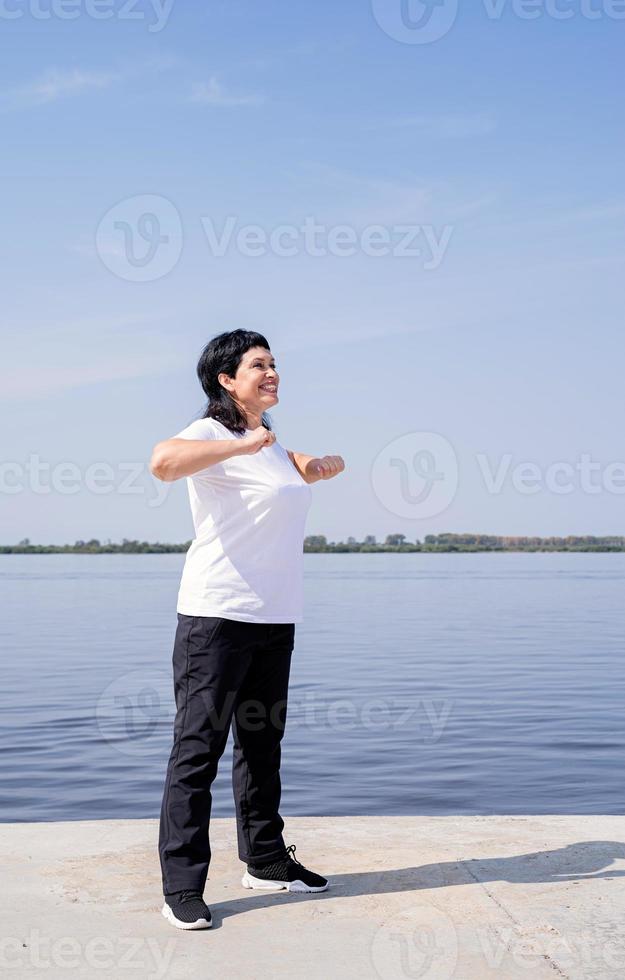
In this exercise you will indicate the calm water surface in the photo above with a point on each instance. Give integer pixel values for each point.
(452, 684)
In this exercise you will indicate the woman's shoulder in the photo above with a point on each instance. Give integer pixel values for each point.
(207, 428)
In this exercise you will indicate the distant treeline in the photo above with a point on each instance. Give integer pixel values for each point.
(467, 542)
(319, 543)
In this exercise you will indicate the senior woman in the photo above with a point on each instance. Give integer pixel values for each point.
(240, 596)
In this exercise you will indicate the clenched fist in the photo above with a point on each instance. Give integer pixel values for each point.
(257, 440)
(326, 467)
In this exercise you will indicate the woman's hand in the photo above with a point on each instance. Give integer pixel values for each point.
(256, 440)
(325, 468)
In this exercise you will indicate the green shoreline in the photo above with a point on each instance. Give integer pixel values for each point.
(318, 544)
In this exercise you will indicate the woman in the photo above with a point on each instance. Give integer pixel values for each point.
(240, 596)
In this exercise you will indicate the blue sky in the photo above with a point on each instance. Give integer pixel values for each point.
(496, 151)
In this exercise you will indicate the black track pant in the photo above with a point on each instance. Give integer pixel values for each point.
(225, 672)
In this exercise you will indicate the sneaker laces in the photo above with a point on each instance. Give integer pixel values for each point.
(290, 855)
(283, 861)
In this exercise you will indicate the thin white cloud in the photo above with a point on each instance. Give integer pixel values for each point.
(461, 126)
(213, 93)
(56, 85)
(598, 212)
(62, 84)
(554, 223)
(340, 196)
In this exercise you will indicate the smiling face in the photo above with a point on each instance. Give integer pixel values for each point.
(255, 385)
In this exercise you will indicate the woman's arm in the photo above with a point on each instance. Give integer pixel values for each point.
(174, 458)
(313, 468)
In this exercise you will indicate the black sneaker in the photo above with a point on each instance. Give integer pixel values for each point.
(187, 910)
(286, 872)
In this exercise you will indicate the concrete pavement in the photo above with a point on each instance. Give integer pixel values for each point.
(433, 898)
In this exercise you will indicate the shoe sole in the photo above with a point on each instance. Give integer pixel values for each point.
(187, 926)
(267, 884)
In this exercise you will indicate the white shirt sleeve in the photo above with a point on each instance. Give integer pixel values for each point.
(200, 429)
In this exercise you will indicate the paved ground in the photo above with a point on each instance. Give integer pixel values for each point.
(410, 897)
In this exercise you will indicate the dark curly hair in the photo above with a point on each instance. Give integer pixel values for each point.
(224, 353)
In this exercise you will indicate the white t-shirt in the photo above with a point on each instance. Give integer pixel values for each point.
(249, 512)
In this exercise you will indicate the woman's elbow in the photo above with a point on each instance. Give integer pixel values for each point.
(160, 464)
